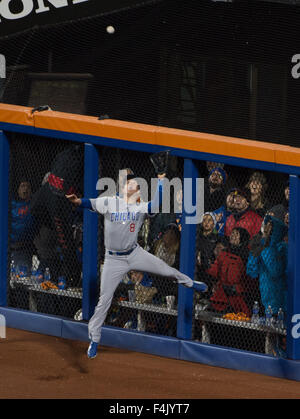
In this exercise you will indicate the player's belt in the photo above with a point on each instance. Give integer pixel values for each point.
(122, 253)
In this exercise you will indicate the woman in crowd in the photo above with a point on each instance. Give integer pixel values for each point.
(229, 270)
(258, 186)
(268, 262)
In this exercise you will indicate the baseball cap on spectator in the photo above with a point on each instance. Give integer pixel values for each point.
(242, 192)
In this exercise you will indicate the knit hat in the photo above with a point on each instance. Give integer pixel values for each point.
(212, 216)
(221, 171)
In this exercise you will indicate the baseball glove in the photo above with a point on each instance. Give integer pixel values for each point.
(160, 161)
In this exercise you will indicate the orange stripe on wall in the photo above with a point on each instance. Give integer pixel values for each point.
(13, 114)
(92, 126)
(216, 144)
(150, 134)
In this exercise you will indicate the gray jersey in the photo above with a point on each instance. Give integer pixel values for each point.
(122, 221)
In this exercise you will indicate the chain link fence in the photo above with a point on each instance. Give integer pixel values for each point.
(242, 246)
(153, 70)
(145, 302)
(45, 232)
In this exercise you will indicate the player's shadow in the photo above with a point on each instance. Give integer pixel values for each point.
(74, 353)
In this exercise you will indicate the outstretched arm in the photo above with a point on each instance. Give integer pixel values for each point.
(79, 202)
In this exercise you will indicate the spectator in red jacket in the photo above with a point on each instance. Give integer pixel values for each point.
(229, 268)
(242, 215)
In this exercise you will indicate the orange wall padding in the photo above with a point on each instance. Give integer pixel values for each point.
(150, 134)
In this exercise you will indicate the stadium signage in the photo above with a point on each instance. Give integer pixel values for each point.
(8, 10)
(21, 15)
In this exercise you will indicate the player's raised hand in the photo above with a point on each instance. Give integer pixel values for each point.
(161, 176)
(74, 199)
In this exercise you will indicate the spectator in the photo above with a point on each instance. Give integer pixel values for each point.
(22, 227)
(210, 165)
(205, 167)
(278, 211)
(223, 213)
(286, 219)
(49, 205)
(258, 186)
(207, 240)
(201, 267)
(283, 207)
(45, 243)
(214, 189)
(286, 199)
(229, 268)
(268, 262)
(222, 244)
(242, 215)
(167, 247)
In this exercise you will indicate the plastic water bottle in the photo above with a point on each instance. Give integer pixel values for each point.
(13, 270)
(280, 319)
(255, 313)
(47, 276)
(269, 317)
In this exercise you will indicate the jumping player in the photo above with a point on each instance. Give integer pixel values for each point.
(123, 218)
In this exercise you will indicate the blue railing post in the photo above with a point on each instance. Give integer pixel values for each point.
(4, 182)
(90, 234)
(293, 300)
(187, 262)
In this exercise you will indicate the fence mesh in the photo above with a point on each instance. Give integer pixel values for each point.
(45, 236)
(209, 66)
(141, 301)
(242, 246)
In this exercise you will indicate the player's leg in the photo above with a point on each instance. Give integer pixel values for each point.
(114, 270)
(140, 260)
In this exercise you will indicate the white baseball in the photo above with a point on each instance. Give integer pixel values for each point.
(110, 29)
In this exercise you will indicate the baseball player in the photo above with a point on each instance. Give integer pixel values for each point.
(123, 218)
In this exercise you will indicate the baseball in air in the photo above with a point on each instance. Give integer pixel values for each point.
(110, 29)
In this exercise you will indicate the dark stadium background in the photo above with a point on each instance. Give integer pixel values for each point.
(210, 66)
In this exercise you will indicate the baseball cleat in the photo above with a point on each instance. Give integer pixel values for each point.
(92, 350)
(200, 286)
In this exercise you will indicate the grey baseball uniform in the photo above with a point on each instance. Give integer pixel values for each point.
(122, 222)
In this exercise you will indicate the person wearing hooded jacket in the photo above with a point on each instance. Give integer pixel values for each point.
(223, 213)
(229, 269)
(268, 262)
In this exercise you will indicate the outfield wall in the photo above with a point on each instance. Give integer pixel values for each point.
(190, 147)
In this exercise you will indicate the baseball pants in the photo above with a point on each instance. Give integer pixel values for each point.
(114, 269)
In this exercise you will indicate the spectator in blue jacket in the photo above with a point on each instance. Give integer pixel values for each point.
(22, 227)
(224, 212)
(268, 262)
